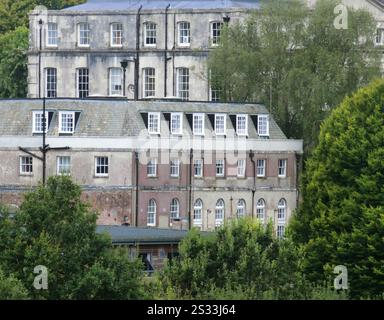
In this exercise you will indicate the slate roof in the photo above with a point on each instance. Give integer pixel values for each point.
(134, 5)
(143, 235)
(120, 118)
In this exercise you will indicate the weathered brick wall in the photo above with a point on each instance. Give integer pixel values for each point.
(112, 205)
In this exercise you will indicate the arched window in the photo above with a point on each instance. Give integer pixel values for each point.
(151, 213)
(175, 209)
(240, 208)
(281, 211)
(260, 209)
(219, 212)
(197, 212)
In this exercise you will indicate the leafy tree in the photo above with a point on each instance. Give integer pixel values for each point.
(296, 62)
(242, 260)
(54, 228)
(341, 220)
(11, 288)
(13, 63)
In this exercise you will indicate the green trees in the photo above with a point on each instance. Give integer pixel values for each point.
(241, 261)
(54, 228)
(341, 219)
(13, 66)
(296, 62)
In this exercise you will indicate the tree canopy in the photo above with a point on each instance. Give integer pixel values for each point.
(296, 62)
(55, 229)
(341, 219)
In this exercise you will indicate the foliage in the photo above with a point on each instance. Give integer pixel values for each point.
(54, 228)
(341, 221)
(11, 288)
(242, 260)
(294, 61)
(13, 63)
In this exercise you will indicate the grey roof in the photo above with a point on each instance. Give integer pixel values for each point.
(104, 5)
(119, 118)
(143, 235)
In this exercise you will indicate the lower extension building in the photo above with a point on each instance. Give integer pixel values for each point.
(164, 164)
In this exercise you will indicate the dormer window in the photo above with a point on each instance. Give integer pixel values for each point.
(176, 123)
(37, 125)
(242, 125)
(263, 125)
(198, 124)
(220, 124)
(154, 122)
(66, 122)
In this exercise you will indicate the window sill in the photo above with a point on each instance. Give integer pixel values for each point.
(175, 177)
(152, 177)
(261, 177)
(101, 176)
(199, 177)
(116, 46)
(282, 177)
(26, 174)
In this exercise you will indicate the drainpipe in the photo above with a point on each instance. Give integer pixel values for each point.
(137, 189)
(165, 52)
(190, 189)
(40, 48)
(173, 55)
(137, 63)
(251, 156)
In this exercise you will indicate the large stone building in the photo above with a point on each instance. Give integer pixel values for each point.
(137, 49)
(163, 164)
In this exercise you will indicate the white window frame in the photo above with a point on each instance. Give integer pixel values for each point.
(113, 37)
(60, 165)
(215, 39)
(151, 129)
(224, 128)
(149, 80)
(258, 162)
(241, 167)
(101, 165)
(152, 163)
(174, 212)
(198, 211)
(86, 31)
(184, 37)
(175, 168)
(115, 93)
(78, 82)
(260, 210)
(241, 208)
(220, 163)
(202, 116)
(198, 163)
(49, 35)
(185, 74)
(179, 130)
(146, 34)
(238, 132)
(34, 127)
(282, 165)
(281, 211)
(71, 113)
(151, 213)
(263, 127)
(219, 212)
(379, 39)
(23, 165)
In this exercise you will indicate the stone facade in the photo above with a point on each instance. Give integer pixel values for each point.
(99, 55)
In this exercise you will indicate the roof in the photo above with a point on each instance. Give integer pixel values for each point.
(128, 5)
(110, 118)
(143, 235)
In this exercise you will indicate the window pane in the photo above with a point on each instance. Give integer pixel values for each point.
(84, 34)
(52, 34)
(51, 84)
(116, 81)
(83, 82)
(149, 82)
(117, 34)
(183, 83)
(150, 33)
(184, 33)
